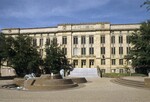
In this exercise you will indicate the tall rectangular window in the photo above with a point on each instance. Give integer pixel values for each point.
(83, 40)
(34, 42)
(120, 70)
(75, 62)
(113, 52)
(113, 62)
(41, 42)
(64, 50)
(47, 41)
(91, 50)
(113, 39)
(103, 70)
(75, 40)
(91, 62)
(83, 63)
(41, 52)
(120, 50)
(102, 39)
(91, 39)
(120, 39)
(102, 50)
(128, 39)
(128, 49)
(83, 51)
(75, 51)
(64, 40)
(102, 61)
(120, 61)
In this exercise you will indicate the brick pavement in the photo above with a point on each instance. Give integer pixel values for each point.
(96, 90)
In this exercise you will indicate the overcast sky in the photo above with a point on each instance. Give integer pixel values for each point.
(45, 13)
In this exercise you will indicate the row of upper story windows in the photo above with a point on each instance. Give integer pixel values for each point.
(102, 50)
(83, 40)
(91, 51)
(91, 39)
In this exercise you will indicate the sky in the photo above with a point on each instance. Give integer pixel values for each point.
(47, 13)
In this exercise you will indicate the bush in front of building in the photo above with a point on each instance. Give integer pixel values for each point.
(117, 75)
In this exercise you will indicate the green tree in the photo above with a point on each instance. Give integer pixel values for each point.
(3, 54)
(147, 4)
(140, 53)
(55, 58)
(22, 56)
(2, 41)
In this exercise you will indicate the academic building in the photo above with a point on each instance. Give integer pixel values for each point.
(87, 45)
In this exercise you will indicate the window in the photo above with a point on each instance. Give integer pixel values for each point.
(113, 52)
(102, 61)
(41, 42)
(75, 40)
(83, 63)
(34, 42)
(120, 70)
(83, 51)
(127, 39)
(91, 50)
(64, 40)
(91, 62)
(75, 51)
(41, 52)
(102, 50)
(103, 70)
(113, 62)
(120, 39)
(102, 39)
(83, 40)
(75, 62)
(64, 50)
(120, 61)
(128, 49)
(113, 70)
(91, 39)
(113, 39)
(48, 41)
(120, 50)
(54, 40)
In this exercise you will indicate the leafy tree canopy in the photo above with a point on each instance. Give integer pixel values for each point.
(22, 56)
(140, 53)
(55, 58)
(147, 3)
(3, 53)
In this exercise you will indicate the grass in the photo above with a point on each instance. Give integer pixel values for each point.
(117, 75)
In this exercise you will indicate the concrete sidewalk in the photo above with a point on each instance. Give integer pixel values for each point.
(96, 90)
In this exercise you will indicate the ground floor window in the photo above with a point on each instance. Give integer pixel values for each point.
(113, 70)
(120, 70)
(103, 70)
(83, 63)
(75, 62)
(91, 62)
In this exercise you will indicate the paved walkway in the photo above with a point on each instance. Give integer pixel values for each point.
(96, 90)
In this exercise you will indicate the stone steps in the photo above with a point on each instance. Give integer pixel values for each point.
(127, 82)
(84, 72)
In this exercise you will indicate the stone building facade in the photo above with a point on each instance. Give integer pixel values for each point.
(87, 45)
